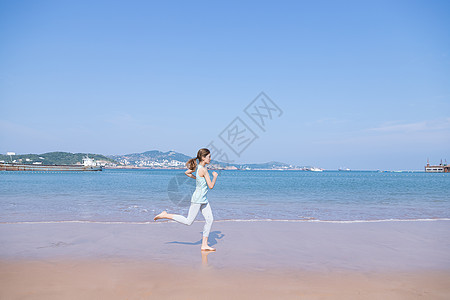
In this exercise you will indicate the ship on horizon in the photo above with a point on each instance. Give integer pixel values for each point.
(313, 169)
(344, 169)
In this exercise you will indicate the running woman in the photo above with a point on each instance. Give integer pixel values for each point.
(199, 201)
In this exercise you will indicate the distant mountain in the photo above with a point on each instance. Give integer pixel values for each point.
(176, 160)
(55, 158)
(153, 158)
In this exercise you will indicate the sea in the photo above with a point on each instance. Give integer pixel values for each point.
(136, 196)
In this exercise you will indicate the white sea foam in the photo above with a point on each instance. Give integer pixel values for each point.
(231, 220)
(334, 221)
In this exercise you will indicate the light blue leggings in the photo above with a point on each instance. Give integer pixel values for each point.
(193, 212)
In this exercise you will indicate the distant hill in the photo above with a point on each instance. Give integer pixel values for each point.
(173, 159)
(54, 158)
(153, 159)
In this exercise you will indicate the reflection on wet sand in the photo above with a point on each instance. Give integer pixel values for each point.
(205, 257)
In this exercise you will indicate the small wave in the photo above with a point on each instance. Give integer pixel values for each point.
(334, 221)
(76, 221)
(133, 208)
(232, 220)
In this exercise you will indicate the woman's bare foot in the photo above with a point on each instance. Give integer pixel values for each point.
(208, 248)
(162, 215)
(205, 246)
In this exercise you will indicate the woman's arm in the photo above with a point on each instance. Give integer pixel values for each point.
(189, 173)
(208, 180)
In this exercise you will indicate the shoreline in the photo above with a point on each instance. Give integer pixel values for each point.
(311, 220)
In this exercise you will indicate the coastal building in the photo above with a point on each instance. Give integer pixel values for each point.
(89, 164)
(441, 168)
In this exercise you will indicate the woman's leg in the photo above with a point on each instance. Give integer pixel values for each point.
(207, 213)
(193, 211)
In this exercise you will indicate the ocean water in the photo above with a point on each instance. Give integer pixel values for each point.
(138, 195)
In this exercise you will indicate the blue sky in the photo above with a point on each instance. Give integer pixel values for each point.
(362, 84)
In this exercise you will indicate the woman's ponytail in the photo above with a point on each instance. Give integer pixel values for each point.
(192, 163)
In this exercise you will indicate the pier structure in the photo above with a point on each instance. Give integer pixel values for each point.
(441, 168)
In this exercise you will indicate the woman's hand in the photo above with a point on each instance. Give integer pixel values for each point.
(189, 173)
(208, 180)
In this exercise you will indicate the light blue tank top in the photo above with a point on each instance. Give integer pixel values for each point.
(201, 188)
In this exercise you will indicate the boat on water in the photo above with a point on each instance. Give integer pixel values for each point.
(314, 169)
(344, 169)
(88, 165)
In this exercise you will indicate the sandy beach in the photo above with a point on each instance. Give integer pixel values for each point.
(254, 259)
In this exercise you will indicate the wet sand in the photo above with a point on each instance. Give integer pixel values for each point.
(121, 279)
(264, 260)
